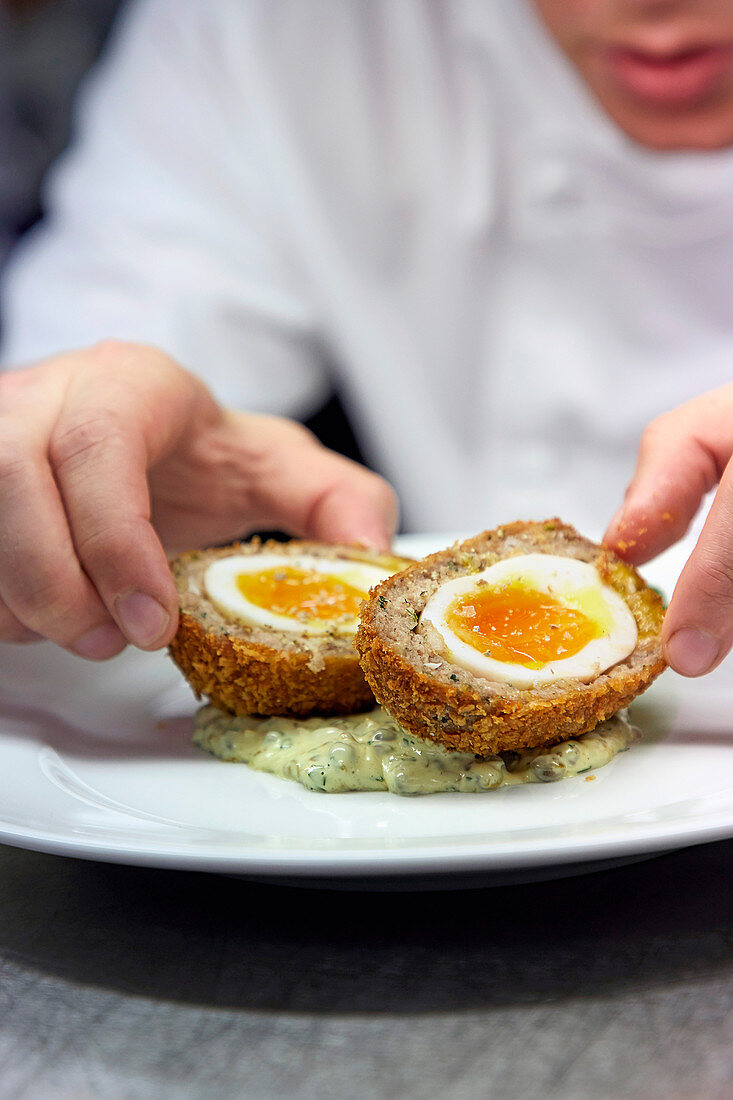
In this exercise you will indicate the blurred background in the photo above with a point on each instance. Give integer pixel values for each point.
(46, 49)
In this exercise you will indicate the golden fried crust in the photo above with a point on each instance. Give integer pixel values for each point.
(245, 678)
(434, 699)
(255, 670)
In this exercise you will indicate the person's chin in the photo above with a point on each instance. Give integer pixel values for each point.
(681, 105)
(688, 131)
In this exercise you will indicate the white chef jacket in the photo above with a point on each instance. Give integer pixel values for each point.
(416, 199)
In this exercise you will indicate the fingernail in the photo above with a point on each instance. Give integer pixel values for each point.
(100, 643)
(692, 652)
(373, 545)
(374, 536)
(142, 618)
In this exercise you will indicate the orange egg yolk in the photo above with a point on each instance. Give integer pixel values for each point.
(301, 594)
(520, 625)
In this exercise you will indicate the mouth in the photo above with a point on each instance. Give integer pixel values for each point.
(672, 80)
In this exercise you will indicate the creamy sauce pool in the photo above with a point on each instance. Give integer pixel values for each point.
(371, 752)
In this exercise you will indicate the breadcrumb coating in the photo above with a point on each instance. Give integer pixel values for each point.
(246, 669)
(412, 677)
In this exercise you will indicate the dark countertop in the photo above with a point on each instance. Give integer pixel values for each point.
(129, 982)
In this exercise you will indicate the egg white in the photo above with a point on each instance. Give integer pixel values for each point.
(562, 578)
(220, 583)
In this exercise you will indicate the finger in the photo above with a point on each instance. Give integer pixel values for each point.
(13, 630)
(673, 474)
(44, 579)
(681, 458)
(100, 459)
(698, 626)
(41, 582)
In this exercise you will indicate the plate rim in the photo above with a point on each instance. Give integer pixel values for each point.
(459, 857)
(373, 856)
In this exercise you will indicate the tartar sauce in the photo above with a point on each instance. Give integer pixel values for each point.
(371, 752)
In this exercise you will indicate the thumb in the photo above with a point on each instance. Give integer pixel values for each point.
(309, 491)
(355, 509)
(682, 456)
(674, 471)
(698, 626)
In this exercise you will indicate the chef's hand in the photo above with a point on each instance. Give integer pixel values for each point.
(109, 454)
(683, 455)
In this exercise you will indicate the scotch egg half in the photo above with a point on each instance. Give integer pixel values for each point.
(531, 620)
(304, 593)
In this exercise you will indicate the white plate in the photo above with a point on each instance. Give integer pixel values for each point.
(96, 761)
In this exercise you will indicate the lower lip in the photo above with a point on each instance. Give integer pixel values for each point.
(677, 81)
